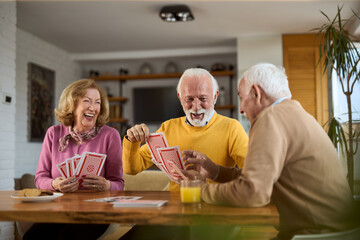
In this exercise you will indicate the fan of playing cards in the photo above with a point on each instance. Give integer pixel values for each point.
(87, 163)
(168, 159)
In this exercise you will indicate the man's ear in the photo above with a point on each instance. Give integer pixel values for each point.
(216, 96)
(178, 95)
(257, 92)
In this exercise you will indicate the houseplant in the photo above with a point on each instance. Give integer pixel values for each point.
(339, 53)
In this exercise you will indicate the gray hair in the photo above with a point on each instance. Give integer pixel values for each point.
(270, 78)
(197, 72)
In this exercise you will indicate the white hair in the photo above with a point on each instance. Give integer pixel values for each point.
(270, 78)
(197, 72)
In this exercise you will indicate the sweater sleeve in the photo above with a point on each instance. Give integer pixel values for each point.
(238, 142)
(262, 168)
(114, 172)
(135, 158)
(43, 177)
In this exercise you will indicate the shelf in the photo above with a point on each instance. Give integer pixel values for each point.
(153, 76)
(118, 120)
(123, 78)
(117, 99)
(224, 107)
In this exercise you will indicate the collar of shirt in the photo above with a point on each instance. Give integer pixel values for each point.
(212, 114)
(280, 100)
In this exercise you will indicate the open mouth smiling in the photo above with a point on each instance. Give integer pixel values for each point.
(197, 116)
(89, 116)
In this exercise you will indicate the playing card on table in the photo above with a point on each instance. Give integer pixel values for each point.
(90, 163)
(113, 199)
(171, 154)
(62, 169)
(70, 167)
(156, 140)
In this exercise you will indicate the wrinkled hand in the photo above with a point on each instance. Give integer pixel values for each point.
(70, 184)
(193, 175)
(138, 133)
(94, 182)
(200, 163)
(189, 174)
(175, 179)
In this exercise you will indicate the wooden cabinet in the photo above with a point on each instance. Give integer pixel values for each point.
(307, 81)
(118, 101)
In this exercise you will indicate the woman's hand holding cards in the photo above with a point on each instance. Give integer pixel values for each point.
(70, 184)
(94, 182)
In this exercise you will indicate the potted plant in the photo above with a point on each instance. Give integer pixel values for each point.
(340, 55)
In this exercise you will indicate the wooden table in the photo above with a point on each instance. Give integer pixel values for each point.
(71, 208)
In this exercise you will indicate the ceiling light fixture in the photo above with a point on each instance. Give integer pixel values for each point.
(176, 13)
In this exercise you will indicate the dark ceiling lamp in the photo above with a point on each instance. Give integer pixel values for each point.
(176, 13)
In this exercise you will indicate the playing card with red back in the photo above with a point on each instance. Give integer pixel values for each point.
(161, 167)
(177, 170)
(171, 154)
(70, 167)
(76, 160)
(62, 169)
(90, 163)
(155, 141)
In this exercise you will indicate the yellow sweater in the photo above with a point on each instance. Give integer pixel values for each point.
(223, 140)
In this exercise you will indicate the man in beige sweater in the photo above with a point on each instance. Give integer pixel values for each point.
(290, 162)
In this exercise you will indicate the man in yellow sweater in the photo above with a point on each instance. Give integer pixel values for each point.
(202, 129)
(291, 161)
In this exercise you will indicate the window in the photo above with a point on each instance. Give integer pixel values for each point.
(340, 102)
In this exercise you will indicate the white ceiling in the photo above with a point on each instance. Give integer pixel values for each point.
(86, 27)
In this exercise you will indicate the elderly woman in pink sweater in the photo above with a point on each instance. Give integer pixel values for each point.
(83, 112)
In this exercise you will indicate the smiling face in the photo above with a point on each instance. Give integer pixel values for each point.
(87, 110)
(197, 100)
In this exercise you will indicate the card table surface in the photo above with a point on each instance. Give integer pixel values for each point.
(72, 208)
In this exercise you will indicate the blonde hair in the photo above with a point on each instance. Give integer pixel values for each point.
(68, 99)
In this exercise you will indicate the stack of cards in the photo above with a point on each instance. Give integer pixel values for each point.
(87, 163)
(168, 159)
(139, 203)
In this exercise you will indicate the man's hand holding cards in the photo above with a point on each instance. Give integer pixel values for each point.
(168, 159)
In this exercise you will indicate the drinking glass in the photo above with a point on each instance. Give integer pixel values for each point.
(190, 191)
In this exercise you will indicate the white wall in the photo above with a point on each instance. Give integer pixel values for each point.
(7, 111)
(32, 49)
(257, 49)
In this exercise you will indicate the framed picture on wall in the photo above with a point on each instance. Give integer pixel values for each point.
(41, 91)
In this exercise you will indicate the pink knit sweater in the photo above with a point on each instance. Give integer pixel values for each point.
(106, 142)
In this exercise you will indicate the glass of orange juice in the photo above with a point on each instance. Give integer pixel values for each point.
(190, 191)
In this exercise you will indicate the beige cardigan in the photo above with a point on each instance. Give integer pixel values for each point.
(292, 163)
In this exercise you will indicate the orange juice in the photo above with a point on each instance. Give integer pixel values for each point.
(190, 194)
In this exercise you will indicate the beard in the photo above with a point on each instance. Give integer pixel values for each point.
(198, 122)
